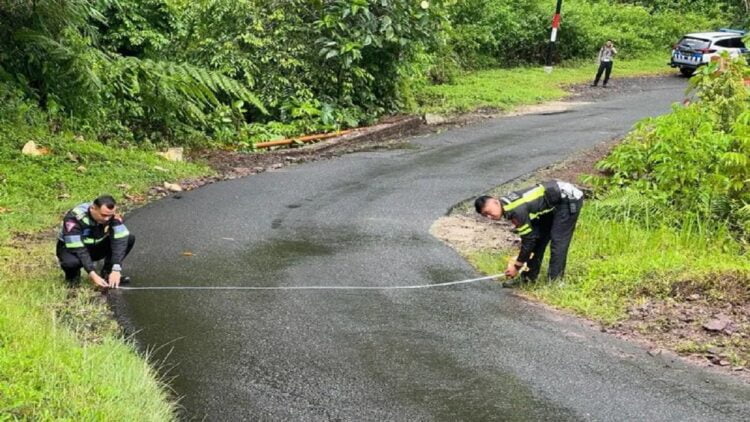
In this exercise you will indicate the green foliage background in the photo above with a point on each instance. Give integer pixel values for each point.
(238, 71)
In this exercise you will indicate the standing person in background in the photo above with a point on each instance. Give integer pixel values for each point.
(606, 58)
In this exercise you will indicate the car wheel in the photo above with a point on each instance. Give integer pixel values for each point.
(687, 71)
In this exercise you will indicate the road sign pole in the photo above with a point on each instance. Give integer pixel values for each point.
(553, 36)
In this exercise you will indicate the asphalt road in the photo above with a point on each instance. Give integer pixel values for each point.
(470, 352)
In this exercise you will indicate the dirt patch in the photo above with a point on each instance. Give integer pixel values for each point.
(706, 320)
(469, 234)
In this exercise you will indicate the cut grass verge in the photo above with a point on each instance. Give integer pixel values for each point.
(62, 355)
(503, 89)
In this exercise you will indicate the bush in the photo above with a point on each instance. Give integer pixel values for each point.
(696, 160)
(500, 32)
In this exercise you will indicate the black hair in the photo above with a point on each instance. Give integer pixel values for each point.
(480, 202)
(105, 200)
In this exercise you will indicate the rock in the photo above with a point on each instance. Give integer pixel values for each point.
(738, 368)
(158, 168)
(172, 154)
(276, 166)
(713, 350)
(432, 119)
(63, 196)
(655, 352)
(123, 186)
(173, 187)
(723, 362)
(694, 296)
(258, 169)
(242, 171)
(81, 169)
(730, 329)
(72, 157)
(31, 148)
(717, 324)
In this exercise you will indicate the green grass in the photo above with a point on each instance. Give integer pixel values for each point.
(36, 190)
(613, 264)
(504, 89)
(62, 355)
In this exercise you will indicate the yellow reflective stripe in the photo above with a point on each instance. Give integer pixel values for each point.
(74, 245)
(90, 241)
(529, 196)
(524, 227)
(525, 232)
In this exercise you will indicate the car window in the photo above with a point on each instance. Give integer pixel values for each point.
(690, 43)
(724, 43)
(731, 43)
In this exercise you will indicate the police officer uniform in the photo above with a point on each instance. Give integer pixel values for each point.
(83, 241)
(546, 213)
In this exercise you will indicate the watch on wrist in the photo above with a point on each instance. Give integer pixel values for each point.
(116, 268)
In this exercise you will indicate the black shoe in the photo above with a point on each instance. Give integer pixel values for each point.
(512, 283)
(605, 86)
(593, 85)
(73, 282)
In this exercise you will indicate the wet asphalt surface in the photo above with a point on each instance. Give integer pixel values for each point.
(470, 352)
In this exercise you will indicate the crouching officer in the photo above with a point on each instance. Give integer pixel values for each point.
(91, 232)
(545, 213)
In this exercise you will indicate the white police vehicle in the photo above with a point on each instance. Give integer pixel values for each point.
(696, 49)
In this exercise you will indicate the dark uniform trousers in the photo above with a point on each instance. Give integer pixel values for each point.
(556, 228)
(71, 264)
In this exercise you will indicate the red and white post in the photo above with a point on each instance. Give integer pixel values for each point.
(553, 36)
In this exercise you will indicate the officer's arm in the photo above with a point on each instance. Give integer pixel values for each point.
(72, 236)
(120, 235)
(528, 235)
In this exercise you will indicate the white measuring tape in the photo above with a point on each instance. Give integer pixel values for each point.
(417, 286)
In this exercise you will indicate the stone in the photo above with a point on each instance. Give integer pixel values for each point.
(655, 352)
(432, 119)
(81, 169)
(718, 323)
(30, 148)
(158, 168)
(173, 187)
(694, 296)
(173, 154)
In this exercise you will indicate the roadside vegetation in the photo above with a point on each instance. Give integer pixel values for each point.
(101, 85)
(664, 246)
(502, 89)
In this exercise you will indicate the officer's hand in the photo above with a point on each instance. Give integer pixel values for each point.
(511, 271)
(114, 279)
(98, 280)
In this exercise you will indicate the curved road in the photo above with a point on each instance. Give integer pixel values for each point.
(468, 352)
